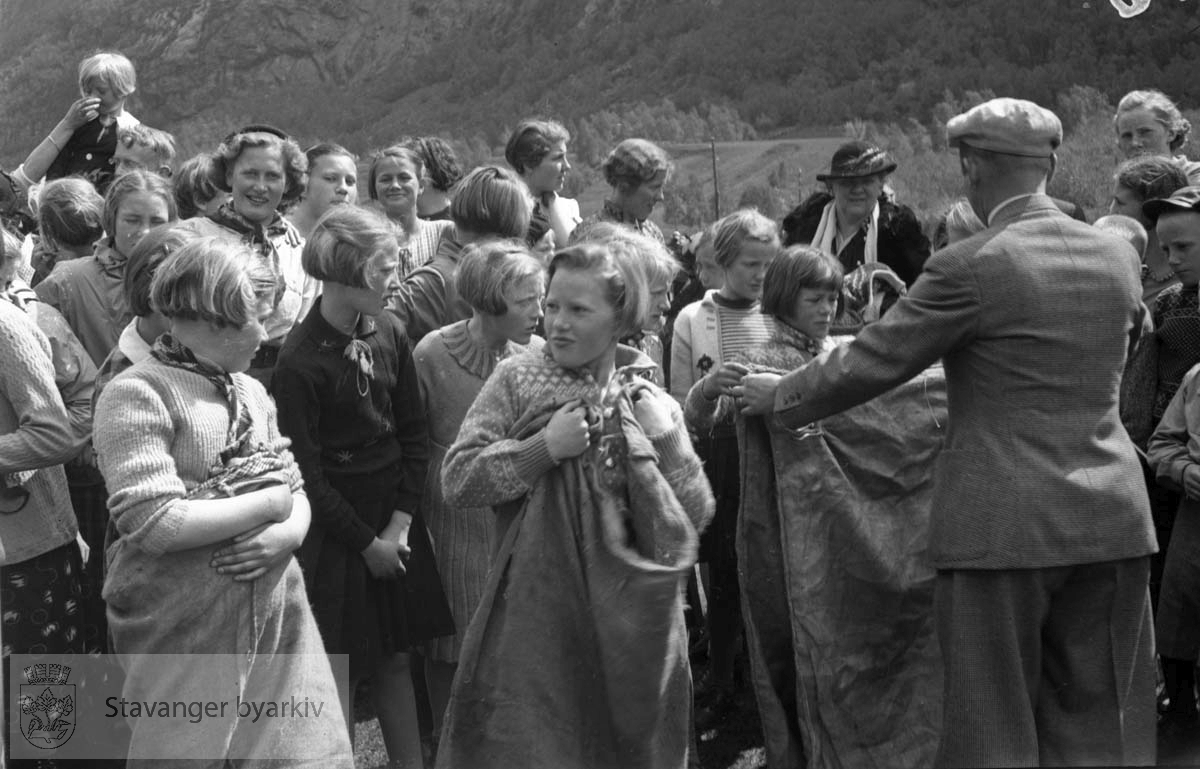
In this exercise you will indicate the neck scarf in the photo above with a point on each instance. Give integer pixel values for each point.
(242, 465)
(786, 335)
(259, 237)
(827, 233)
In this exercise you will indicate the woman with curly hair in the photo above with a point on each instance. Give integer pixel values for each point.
(264, 171)
(1148, 123)
(637, 171)
(442, 172)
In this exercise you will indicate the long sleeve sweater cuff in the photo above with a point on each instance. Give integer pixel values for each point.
(673, 447)
(160, 534)
(533, 458)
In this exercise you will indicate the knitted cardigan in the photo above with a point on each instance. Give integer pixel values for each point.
(696, 344)
(35, 439)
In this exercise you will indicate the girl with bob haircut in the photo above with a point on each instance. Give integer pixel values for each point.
(1147, 122)
(332, 181)
(348, 398)
(263, 172)
(726, 322)
(537, 151)
(196, 194)
(636, 170)
(395, 181)
(595, 540)
(89, 292)
(70, 217)
(207, 505)
(504, 285)
(490, 202)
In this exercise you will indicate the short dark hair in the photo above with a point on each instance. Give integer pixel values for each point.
(531, 143)
(441, 164)
(1151, 177)
(793, 269)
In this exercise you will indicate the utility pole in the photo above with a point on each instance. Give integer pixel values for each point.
(712, 145)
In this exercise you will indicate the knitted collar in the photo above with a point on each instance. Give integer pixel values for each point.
(786, 335)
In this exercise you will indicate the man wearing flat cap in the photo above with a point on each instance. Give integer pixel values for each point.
(1040, 530)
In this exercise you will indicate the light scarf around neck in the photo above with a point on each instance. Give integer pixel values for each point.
(826, 234)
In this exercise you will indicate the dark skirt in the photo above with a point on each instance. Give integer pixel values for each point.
(719, 452)
(363, 617)
(1177, 624)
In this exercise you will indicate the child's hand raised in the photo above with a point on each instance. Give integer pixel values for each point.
(83, 110)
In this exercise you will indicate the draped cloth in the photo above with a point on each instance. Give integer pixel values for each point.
(826, 234)
(577, 655)
(837, 598)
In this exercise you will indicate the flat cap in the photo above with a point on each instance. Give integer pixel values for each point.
(1182, 199)
(1007, 126)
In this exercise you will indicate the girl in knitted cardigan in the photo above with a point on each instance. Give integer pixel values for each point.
(207, 505)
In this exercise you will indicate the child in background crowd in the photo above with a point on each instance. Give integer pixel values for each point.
(195, 192)
(442, 172)
(349, 399)
(70, 217)
(90, 292)
(332, 180)
(395, 181)
(85, 140)
(142, 148)
(726, 322)
(138, 337)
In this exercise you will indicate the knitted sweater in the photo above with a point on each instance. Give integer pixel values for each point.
(451, 369)
(698, 344)
(158, 430)
(486, 466)
(35, 435)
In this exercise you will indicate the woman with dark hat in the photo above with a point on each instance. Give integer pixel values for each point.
(855, 221)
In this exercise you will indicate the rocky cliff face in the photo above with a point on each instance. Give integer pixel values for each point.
(368, 69)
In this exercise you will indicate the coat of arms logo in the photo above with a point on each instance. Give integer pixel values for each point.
(46, 705)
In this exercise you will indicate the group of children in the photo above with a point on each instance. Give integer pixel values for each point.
(249, 366)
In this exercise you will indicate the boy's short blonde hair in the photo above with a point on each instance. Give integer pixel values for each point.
(110, 67)
(489, 268)
(731, 232)
(161, 143)
(214, 279)
(342, 244)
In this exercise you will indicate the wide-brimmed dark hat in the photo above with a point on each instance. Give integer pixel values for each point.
(856, 160)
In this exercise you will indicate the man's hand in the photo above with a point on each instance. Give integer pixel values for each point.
(756, 394)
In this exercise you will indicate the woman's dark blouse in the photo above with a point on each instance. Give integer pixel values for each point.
(902, 244)
(337, 431)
